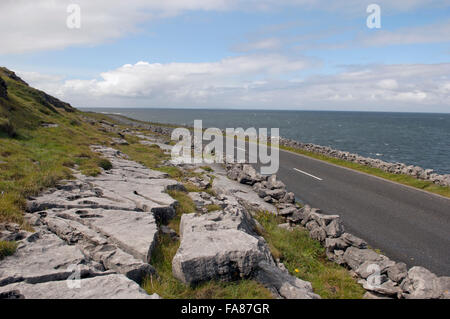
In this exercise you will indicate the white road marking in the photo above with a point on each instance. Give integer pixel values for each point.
(298, 170)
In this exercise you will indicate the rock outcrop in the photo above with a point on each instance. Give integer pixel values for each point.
(102, 229)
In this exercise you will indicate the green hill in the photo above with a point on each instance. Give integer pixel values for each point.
(23, 107)
(41, 138)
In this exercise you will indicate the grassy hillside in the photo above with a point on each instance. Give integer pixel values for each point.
(41, 138)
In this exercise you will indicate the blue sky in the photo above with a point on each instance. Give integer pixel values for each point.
(290, 54)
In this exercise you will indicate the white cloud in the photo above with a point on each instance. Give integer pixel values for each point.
(388, 84)
(176, 82)
(33, 25)
(258, 45)
(259, 81)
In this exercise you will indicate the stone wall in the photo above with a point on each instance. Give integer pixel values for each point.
(394, 168)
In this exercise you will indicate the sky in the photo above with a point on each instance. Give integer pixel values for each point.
(233, 54)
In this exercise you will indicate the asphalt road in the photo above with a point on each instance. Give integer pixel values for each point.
(406, 224)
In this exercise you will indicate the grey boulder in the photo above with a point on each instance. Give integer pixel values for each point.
(219, 245)
(420, 283)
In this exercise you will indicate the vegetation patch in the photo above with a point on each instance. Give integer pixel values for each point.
(105, 164)
(191, 188)
(212, 207)
(306, 259)
(7, 248)
(151, 156)
(185, 206)
(207, 168)
(7, 128)
(38, 159)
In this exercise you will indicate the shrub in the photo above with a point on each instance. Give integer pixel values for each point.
(7, 248)
(75, 123)
(105, 164)
(7, 127)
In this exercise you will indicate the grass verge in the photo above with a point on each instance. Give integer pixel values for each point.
(306, 259)
(150, 156)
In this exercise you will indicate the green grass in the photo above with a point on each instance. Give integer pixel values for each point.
(212, 207)
(399, 178)
(185, 206)
(105, 164)
(7, 128)
(7, 248)
(191, 188)
(207, 168)
(38, 159)
(306, 259)
(169, 287)
(149, 155)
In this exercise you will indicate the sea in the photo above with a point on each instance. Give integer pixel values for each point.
(421, 139)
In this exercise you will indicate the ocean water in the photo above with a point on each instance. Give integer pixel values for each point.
(412, 138)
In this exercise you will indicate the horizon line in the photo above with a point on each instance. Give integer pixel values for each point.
(247, 109)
